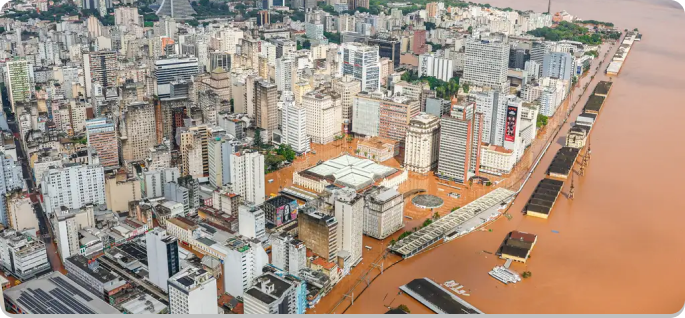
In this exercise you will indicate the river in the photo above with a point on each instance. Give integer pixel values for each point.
(618, 248)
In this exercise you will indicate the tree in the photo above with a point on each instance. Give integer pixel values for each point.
(541, 121)
(429, 26)
(257, 138)
(404, 308)
(527, 274)
(392, 242)
(427, 222)
(436, 216)
(306, 44)
(466, 88)
(286, 151)
(470, 30)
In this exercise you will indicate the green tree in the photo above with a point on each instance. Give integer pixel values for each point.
(257, 138)
(392, 242)
(427, 222)
(404, 308)
(436, 216)
(466, 88)
(286, 151)
(541, 121)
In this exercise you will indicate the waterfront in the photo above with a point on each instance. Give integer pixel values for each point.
(617, 250)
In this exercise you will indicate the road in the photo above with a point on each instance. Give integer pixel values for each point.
(152, 289)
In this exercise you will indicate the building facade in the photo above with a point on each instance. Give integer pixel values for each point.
(422, 144)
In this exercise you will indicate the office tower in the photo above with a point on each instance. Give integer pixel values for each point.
(419, 45)
(154, 181)
(436, 66)
(395, 114)
(162, 257)
(531, 72)
(421, 145)
(557, 65)
(127, 16)
(492, 104)
(252, 222)
(174, 70)
(219, 59)
(293, 124)
(192, 291)
(460, 141)
(366, 114)
(432, 9)
(486, 62)
(18, 82)
(389, 48)
(179, 9)
(324, 113)
(219, 151)
(271, 294)
(383, 212)
(263, 18)
(177, 193)
(139, 136)
(349, 211)
(247, 176)
(11, 179)
(66, 224)
(102, 137)
(101, 68)
(538, 52)
(286, 73)
(347, 87)
(362, 62)
(288, 254)
(319, 232)
(73, 186)
(266, 106)
(191, 153)
(244, 261)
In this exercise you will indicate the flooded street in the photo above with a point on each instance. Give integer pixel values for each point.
(618, 248)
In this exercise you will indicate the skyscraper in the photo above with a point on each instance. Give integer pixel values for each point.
(17, 78)
(349, 211)
(219, 151)
(244, 261)
(347, 87)
(421, 144)
(192, 291)
(319, 232)
(557, 65)
(324, 111)
(174, 70)
(288, 254)
(266, 106)
(162, 257)
(486, 62)
(247, 176)
(10, 179)
(73, 186)
(286, 73)
(460, 140)
(101, 68)
(103, 137)
(389, 48)
(362, 62)
(251, 221)
(139, 122)
(293, 124)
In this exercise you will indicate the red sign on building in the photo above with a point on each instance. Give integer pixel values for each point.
(510, 128)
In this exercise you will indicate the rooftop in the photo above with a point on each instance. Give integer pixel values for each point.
(350, 171)
(100, 274)
(54, 293)
(190, 278)
(268, 288)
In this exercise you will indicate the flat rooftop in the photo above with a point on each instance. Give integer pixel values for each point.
(594, 103)
(544, 196)
(437, 298)
(54, 293)
(100, 274)
(603, 88)
(349, 171)
(563, 161)
(280, 286)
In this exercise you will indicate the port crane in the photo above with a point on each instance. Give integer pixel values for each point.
(571, 191)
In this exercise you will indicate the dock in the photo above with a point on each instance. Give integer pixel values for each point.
(563, 162)
(436, 298)
(542, 201)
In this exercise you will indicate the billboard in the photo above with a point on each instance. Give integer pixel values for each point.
(286, 213)
(510, 128)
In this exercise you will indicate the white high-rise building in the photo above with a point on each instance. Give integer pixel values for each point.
(293, 124)
(219, 151)
(23, 254)
(347, 87)
(271, 294)
(230, 38)
(421, 144)
(324, 116)
(73, 186)
(11, 178)
(558, 65)
(162, 257)
(439, 67)
(492, 104)
(349, 211)
(244, 261)
(486, 62)
(154, 181)
(192, 291)
(286, 73)
(66, 223)
(383, 212)
(247, 176)
(362, 62)
(288, 254)
(251, 222)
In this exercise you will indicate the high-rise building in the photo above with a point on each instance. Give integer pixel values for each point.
(389, 48)
(538, 52)
(558, 65)
(324, 112)
(251, 222)
(419, 44)
(127, 16)
(103, 137)
(192, 291)
(349, 211)
(73, 186)
(362, 62)
(271, 294)
(244, 261)
(266, 106)
(395, 114)
(178, 9)
(23, 254)
(177, 193)
(162, 257)
(11, 179)
(383, 212)
(319, 232)
(286, 73)
(18, 82)
(100, 68)
(288, 254)
(460, 142)
(154, 181)
(366, 114)
(293, 124)
(66, 224)
(219, 151)
(139, 122)
(421, 145)
(492, 104)
(436, 66)
(348, 88)
(247, 176)
(174, 70)
(191, 153)
(486, 62)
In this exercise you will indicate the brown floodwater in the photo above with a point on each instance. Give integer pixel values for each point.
(619, 247)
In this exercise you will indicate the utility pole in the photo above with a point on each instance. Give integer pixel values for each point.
(549, 6)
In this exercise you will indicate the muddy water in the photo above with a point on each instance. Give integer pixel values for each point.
(619, 248)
